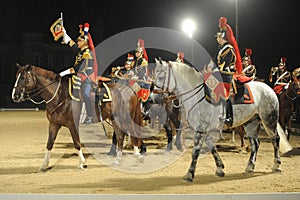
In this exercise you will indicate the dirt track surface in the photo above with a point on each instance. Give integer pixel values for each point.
(22, 146)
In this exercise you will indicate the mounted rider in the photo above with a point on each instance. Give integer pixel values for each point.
(280, 75)
(228, 62)
(248, 67)
(85, 66)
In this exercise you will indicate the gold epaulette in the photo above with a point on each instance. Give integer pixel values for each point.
(71, 43)
(87, 55)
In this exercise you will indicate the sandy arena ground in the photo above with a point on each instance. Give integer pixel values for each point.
(22, 146)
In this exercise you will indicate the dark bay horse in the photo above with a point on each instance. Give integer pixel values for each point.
(203, 116)
(289, 103)
(61, 110)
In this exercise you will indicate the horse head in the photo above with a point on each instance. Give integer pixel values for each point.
(164, 80)
(25, 82)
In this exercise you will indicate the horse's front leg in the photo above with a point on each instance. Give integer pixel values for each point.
(53, 130)
(213, 150)
(169, 135)
(198, 141)
(77, 145)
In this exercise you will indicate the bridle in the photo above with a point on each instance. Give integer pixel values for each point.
(29, 94)
(294, 90)
(165, 90)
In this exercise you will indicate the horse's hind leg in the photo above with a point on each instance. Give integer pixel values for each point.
(198, 141)
(277, 161)
(251, 129)
(113, 148)
(53, 130)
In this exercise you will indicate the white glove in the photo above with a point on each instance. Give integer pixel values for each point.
(65, 72)
(66, 38)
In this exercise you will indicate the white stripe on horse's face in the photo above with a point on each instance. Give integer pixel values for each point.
(13, 95)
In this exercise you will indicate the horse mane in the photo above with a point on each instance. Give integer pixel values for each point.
(43, 72)
(189, 73)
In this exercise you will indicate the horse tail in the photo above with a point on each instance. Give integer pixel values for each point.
(284, 145)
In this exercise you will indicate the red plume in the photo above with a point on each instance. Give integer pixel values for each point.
(222, 23)
(141, 44)
(283, 60)
(93, 76)
(231, 40)
(248, 52)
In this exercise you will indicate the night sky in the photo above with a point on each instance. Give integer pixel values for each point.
(268, 27)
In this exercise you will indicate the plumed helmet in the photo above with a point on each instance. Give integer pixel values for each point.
(282, 61)
(130, 59)
(84, 32)
(248, 54)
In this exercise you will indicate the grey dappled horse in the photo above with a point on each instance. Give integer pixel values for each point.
(203, 117)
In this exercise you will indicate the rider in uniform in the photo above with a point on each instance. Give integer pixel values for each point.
(248, 67)
(85, 65)
(280, 75)
(228, 60)
(140, 64)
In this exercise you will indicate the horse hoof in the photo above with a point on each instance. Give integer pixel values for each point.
(116, 163)
(42, 169)
(249, 168)
(82, 166)
(276, 168)
(188, 177)
(219, 172)
(112, 154)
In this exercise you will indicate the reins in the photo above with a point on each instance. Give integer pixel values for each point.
(198, 88)
(40, 90)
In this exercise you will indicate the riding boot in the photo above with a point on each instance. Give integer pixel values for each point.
(229, 113)
(89, 111)
(146, 109)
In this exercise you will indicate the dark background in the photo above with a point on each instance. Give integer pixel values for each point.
(268, 27)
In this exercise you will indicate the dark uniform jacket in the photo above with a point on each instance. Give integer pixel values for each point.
(226, 58)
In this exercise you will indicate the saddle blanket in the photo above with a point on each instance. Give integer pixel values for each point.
(244, 95)
(141, 88)
(74, 89)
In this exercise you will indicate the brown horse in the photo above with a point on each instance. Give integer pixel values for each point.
(287, 105)
(61, 110)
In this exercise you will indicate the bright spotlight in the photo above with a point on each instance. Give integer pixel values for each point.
(188, 26)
